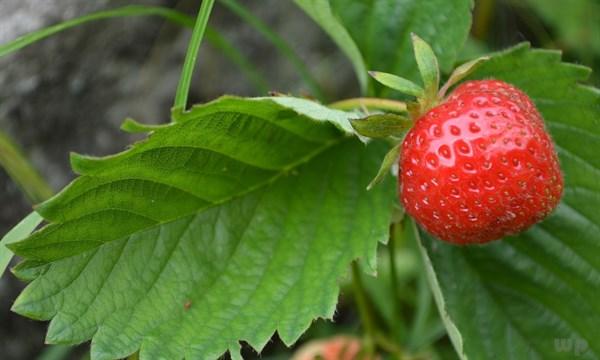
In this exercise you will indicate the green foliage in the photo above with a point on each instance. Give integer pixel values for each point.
(521, 297)
(18, 232)
(235, 221)
(380, 30)
(240, 218)
(576, 22)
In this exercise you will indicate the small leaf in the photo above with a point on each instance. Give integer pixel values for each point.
(388, 161)
(462, 72)
(20, 231)
(397, 83)
(381, 125)
(428, 65)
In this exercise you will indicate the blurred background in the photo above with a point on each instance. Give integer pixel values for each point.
(72, 91)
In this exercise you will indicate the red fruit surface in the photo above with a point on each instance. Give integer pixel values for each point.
(479, 166)
(336, 348)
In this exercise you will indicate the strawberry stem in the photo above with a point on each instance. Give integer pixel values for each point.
(369, 103)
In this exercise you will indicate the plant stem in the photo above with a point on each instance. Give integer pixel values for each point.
(191, 56)
(363, 308)
(369, 103)
(22, 172)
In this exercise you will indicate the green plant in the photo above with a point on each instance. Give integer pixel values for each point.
(239, 217)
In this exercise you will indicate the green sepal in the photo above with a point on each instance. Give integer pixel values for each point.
(397, 83)
(381, 125)
(414, 109)
(460, 73)
(389, 160)
(428, 66)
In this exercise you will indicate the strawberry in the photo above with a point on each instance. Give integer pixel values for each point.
(480, 165)
(476, 165)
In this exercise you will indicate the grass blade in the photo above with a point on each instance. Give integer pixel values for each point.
(173, 16)
(126, 11)
(22, 172)
(191, 56)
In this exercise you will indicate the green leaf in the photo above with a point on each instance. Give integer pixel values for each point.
(380, 29)
(314, 110)
(428, 65)
(19, 232)
(234, 222)
(397, 83)
(382, 125)
(532, 295)
(386, 165)
(576, 25)
(320, 11)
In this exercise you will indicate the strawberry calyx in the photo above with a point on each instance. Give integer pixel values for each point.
(427, 96)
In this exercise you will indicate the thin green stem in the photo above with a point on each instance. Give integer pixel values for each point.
(191, 56)
(22, 172)
(369, 103)
(363, 308)
(280, 44)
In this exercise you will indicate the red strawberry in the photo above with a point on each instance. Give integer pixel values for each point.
(480, 165)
